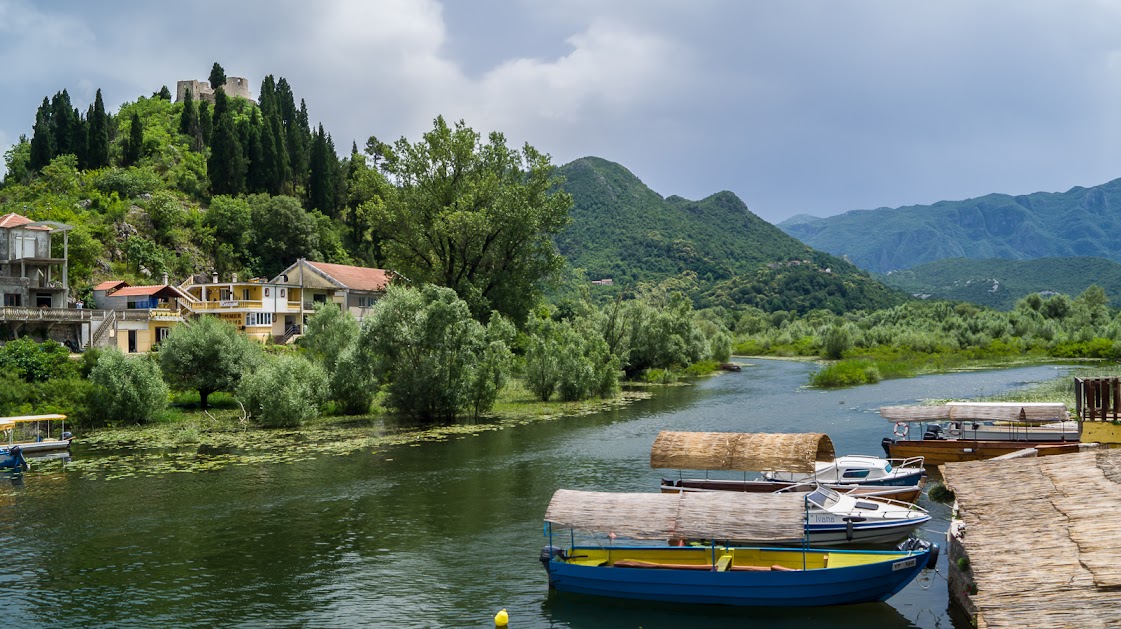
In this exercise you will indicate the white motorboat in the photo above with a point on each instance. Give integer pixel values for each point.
(858, 469)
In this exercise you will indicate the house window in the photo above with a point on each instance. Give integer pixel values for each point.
(12, 299)
(258, 318)
(282, 291)
(319, 299)
(245, 294)
(266, 292)
(161, 334)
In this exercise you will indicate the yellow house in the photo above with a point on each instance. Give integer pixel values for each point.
(261, 309)
(140, 316)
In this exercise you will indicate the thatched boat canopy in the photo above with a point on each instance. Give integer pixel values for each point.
(740, 451)
(978, 411)
(1043, 538)
(718, 515)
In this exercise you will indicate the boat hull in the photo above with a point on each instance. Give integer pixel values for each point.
(793, 588)
(941, 451)
(905, 493)
(31, 448)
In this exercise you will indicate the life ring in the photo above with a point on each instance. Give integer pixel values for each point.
(954, 429)
(901, 429)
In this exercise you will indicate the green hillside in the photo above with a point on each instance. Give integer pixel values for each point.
(1078, 222)
(1000, 283)
(623, 230)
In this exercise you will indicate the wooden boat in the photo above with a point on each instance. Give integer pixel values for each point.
(903, 494)
(38, 428)
(970, 431)
(715, 573)
(781, 462)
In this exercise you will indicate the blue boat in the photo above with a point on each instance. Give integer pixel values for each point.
(714, 573)
(12, 458)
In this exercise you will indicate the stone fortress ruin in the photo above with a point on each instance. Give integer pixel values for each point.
(202, 90)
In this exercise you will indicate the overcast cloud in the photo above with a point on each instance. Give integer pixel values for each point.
(798, 107)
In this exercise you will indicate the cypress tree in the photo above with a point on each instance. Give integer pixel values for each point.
(318, 174)
(205, 125)
(135, 145)
(63, 121)
(42, 149)
(262, 155)
(188, 120)
(226, 165)
(97, 150)
(282, 171)
(266, 100)
(217, 77)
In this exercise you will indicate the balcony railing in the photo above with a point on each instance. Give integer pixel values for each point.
(14, 313)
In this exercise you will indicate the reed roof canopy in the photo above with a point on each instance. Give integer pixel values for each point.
(978, 411)
(741, 451)
(716, 515)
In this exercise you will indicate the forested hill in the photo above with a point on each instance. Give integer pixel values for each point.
(623, 230)
(1000, 283)
(1078, 222)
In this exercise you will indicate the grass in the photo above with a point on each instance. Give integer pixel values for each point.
(867, 366)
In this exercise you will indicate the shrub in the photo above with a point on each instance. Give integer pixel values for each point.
(128, 389)
(846, 373)
(35, 362)
(127, 182)
(286, 391)
(352, 387)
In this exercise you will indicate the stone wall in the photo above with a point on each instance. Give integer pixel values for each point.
(201, 90)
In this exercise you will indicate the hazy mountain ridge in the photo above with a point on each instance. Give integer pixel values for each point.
(1078, 222)
(1000, 283)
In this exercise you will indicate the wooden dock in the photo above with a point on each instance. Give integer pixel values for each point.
(1043, 540)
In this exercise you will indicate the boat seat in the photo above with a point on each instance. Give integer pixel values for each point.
(723, 563)
(587, 561)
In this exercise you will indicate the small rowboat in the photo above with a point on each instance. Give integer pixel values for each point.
(717, 573)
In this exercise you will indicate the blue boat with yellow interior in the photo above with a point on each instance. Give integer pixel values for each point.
(637, 550)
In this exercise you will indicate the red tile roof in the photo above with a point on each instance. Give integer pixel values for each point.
(11, 220)
(110, 284)
(354, 277)
(140, 291)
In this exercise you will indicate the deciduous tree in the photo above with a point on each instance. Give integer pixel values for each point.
(476, 217)
(207, 355)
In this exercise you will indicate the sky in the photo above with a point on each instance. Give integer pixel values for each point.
(799, 107)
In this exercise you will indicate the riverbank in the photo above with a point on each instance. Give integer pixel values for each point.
(187, 439)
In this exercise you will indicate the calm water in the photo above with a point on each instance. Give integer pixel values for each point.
(439, 535)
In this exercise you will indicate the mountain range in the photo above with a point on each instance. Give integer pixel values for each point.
(1078, 222)
(1000, 283)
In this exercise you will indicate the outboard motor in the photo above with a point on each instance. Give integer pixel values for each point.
(915, 543)
(933, 431)
(20, 460)
(547, 554)
(66, 435)
(886, 443)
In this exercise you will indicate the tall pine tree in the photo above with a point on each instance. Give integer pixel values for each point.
(135, 146)
(97, 150)
(320, 187)
(42, 138)
(226, 165)
(217, 77)
(63, 121)
(188, 119)
(205, 126)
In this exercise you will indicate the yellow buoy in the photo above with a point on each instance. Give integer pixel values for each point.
(501, 618)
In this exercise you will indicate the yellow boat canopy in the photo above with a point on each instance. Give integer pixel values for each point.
(978, 411)
(717, 515)
(30, 418)
(740, 451)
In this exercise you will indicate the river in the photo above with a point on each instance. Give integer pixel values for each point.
(440, 534)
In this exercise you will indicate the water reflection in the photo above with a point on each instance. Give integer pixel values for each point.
(441, 534)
